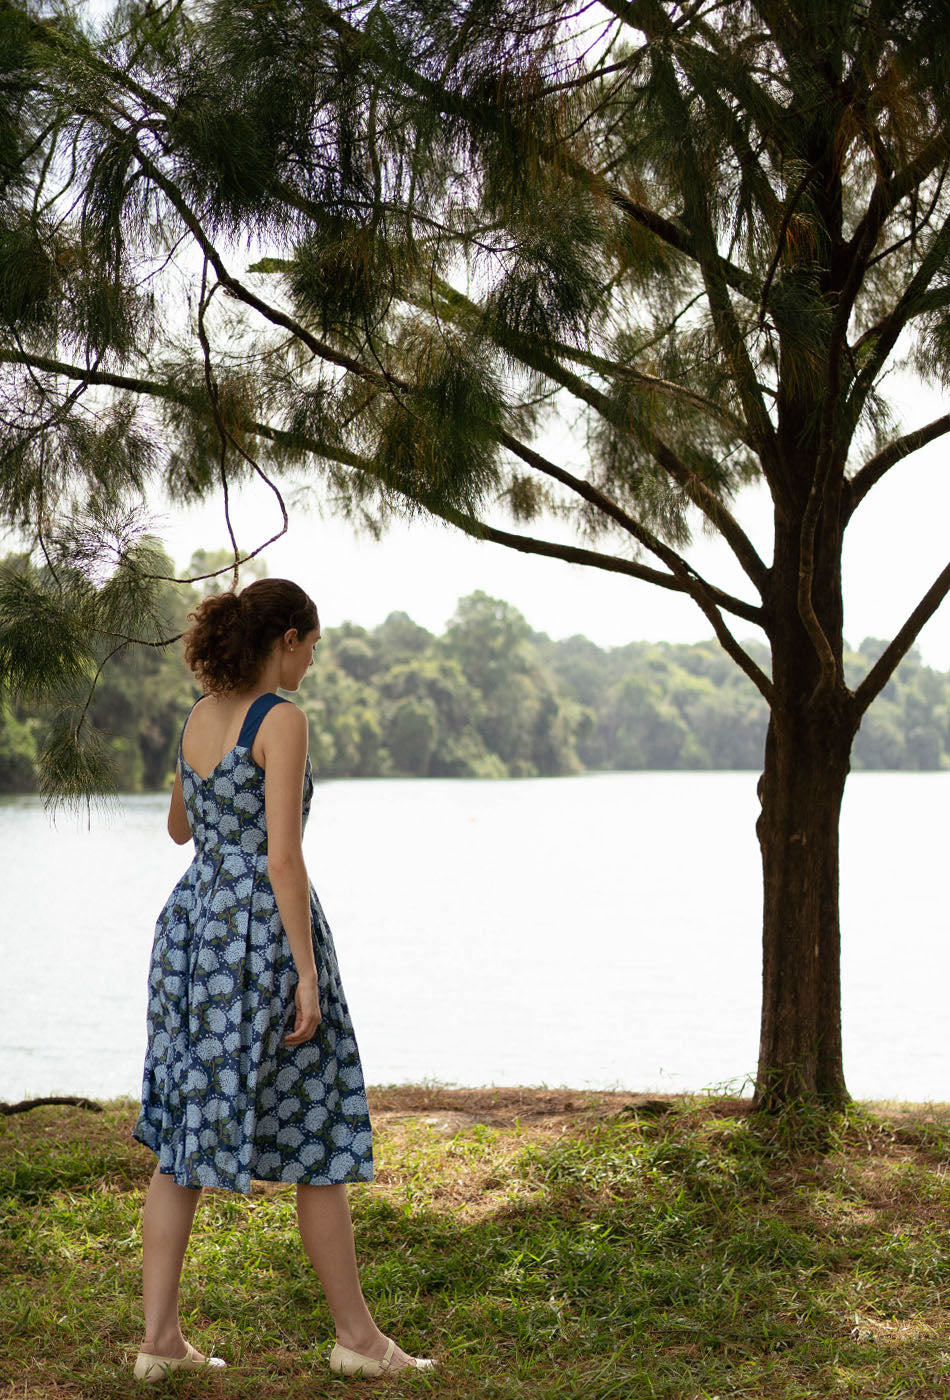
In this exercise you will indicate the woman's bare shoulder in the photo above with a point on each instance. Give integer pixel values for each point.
(284, 727)
(287, 716)
(204, 707)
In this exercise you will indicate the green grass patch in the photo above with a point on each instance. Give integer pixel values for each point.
(542, 1245)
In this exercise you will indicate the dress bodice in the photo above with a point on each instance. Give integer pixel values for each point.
(226, 809)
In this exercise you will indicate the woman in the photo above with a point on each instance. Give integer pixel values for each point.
(252, 1070)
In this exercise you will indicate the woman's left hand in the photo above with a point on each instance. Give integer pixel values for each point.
(309, 1015)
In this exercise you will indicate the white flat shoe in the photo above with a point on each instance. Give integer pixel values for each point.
(149, 1367)
(345, 1362)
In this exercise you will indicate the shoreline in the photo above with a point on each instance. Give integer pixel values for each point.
(500, 1106)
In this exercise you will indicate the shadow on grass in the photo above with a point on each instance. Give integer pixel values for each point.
(686, 1256)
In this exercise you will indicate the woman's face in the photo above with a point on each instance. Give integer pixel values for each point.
(297, 657)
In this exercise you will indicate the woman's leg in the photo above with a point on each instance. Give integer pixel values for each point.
(326, 1230)
(166, 1225)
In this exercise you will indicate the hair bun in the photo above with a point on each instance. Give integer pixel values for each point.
(235, 632)
(223, 605)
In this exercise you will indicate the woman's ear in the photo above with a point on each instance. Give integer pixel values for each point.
(290, 639)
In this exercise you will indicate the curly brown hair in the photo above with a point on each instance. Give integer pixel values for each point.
(233, 633)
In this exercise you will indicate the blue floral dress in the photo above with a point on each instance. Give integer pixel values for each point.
(224, 1101)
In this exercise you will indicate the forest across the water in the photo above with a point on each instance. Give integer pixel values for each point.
(491, 698)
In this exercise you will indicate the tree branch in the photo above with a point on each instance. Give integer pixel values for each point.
(571, 554)
(682, 578)
(887, 663)
(655, 24)
(695, 584)
(936, 299)
(583, 556)
(696, 489)
(883, 337)
(855, 255)
(270, 313)
(651, 383)
(872, 471)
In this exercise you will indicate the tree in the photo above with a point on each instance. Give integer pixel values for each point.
(520, 719)
(642, 726)
(411, 736)
(704, 231)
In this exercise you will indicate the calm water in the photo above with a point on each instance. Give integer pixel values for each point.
(600, 930)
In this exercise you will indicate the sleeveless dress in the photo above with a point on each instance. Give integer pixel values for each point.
(224, 1101)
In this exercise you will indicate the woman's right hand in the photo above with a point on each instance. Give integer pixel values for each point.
(309, 1015)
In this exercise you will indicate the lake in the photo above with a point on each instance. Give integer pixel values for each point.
(596, 931)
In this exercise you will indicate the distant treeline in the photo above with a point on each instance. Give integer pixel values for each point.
(491, 698)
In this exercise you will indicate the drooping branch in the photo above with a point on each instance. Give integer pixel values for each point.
(706, 597)
(715, 510)
(693, 583)
(573, 554)
(738, 138)
(653, 384)
(318, 347)
(910, 177)
(876, 467)
(682, 578)
(887, 663)
(695, 488)
(453, 301)
(211, 386)
(151, 388)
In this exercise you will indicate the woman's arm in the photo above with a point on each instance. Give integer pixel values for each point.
(284, 750)
(178, 828)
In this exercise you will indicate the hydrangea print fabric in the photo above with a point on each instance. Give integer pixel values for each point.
(224, 1101)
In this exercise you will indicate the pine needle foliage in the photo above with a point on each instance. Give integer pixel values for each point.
(44, 647)
(408, 244)
(439, 447)
(99, 592)
(697, 232)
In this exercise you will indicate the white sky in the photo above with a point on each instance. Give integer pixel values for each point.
(896, 545)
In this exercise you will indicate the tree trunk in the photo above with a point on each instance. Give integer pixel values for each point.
(807, 759)
(800, 1056)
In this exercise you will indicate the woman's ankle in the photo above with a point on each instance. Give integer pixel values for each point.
(165, 1344)
(366, 1340)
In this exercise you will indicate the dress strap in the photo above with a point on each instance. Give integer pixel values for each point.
(252, 720)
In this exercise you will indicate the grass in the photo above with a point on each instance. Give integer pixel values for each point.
(541, 1243)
